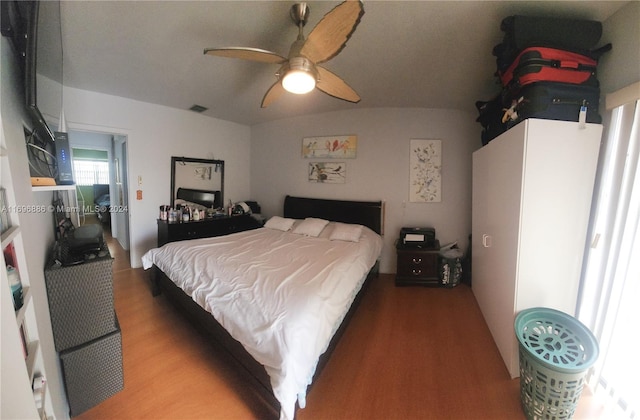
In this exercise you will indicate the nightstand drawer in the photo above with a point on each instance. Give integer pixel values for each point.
(417, 266)
(414, 264)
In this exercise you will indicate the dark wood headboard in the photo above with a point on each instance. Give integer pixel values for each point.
(366, 213)
(202, 197)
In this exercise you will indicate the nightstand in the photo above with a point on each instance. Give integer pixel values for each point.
(417, 266)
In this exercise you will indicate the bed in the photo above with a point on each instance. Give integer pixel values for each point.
(293, 308)
(102, 200)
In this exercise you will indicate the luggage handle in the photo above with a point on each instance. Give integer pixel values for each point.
(564, 64)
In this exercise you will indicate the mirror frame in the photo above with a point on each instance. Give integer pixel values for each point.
(175, 160)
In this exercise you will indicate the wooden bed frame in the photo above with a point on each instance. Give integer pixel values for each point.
(367, 213)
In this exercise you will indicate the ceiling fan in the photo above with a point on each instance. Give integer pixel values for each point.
(299, 72)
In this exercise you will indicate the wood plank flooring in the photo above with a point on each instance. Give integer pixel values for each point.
(409, 353)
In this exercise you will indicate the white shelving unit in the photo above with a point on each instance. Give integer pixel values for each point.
(22, 360)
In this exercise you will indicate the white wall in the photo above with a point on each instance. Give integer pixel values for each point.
(37, 228)
(620, 67)
(155, 133)
(379, 172)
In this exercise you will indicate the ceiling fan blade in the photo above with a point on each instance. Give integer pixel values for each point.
(253, 54)
(333, 85)
(272, 94)
(333, 31)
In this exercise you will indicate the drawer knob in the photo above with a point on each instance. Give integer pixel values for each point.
(417, 260)
(416, 272)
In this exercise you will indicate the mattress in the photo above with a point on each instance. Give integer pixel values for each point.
(280, 294)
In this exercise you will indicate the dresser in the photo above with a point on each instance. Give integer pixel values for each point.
(417, 266)
(217, 226)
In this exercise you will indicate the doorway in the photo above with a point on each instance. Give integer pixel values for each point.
(99, 150)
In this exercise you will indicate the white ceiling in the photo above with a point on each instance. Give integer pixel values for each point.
(428, 54)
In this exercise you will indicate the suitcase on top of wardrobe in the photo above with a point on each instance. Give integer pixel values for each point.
(543, 64)
(520, 32)
(555, 101)
(544, 100)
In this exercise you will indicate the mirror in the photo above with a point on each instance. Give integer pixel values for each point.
(199, 176)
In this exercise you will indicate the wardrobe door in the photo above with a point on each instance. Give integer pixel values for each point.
(561, 162)
(497, 191)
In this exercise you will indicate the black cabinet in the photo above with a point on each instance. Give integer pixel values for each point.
(217, 226)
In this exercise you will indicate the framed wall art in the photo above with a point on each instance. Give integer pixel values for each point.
(327, 172)
(330, 147)
(425, 175)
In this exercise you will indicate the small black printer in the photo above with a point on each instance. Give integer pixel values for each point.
(419, 237)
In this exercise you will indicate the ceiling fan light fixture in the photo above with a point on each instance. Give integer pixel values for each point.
(300, 78)
(298, 82)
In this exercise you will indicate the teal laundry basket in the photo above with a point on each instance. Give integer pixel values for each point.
(556, 350)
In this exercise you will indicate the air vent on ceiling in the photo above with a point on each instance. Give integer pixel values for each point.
(198, 108)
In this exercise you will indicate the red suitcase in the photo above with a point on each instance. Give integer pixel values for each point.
(541, 64)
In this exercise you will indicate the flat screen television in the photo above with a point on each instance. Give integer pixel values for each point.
(43, 83)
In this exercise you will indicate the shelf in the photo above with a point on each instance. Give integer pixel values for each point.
(53, 187)
(9, 235)
(32, 352)
(26, 298)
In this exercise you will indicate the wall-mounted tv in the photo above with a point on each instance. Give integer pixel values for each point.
(43, 63)
(34, 28)
(43, 84)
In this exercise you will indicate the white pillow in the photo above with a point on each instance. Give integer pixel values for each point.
(310, 226)
(279, 223)
(346, 232)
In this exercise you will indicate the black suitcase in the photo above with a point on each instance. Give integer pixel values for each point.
(545, 100)
(520, 32)
(555, 101)
(526, 31)
(87, 238)
(78, 244)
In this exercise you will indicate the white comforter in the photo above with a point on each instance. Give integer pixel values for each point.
(280, 294)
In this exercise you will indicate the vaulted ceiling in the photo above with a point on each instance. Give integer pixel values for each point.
(429, 54)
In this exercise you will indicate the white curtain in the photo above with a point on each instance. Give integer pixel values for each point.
(610, 295)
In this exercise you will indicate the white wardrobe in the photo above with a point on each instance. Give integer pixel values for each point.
(532, 189)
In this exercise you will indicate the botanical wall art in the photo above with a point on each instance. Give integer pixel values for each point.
(426, 171)
(327, 172)
(332, 147)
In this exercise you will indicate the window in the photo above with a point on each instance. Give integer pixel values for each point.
(89, 172)
(610, 296)
(90, 166)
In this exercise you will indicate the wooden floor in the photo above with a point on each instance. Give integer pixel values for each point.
(409, 353)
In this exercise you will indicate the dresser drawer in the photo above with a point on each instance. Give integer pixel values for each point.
(180, 231)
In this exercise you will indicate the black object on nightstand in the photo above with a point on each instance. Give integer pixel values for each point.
(417, 266)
